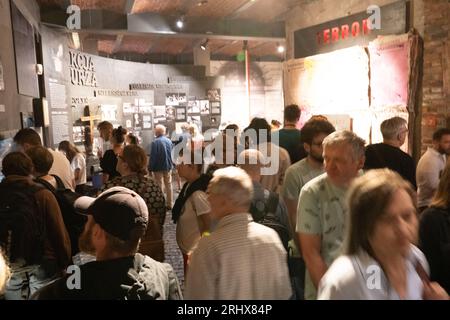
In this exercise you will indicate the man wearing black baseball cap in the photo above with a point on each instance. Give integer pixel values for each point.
(117, 220)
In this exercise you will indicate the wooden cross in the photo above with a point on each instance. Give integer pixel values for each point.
(91, 120)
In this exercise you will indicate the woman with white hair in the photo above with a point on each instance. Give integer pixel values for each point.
(241, 259)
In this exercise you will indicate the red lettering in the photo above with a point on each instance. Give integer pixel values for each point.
(355, 29)
(344, 31)
(326, 36)
(366, 29)
(335, 34)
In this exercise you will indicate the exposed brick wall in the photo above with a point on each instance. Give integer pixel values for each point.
(436, 69)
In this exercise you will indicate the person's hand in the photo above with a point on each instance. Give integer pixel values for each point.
(433, 291)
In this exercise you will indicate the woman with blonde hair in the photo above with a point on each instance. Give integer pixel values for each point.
(380, 260)
(434, 232)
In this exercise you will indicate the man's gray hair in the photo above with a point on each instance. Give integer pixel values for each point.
(341, 137)
(160, 130)
(390, 128)
(233, 183)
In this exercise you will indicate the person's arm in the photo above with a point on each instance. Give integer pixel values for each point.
(310, 246)
(291, 206)
(433, 291)
(78, 164)
(202, 210)
(309, 231)
(290, 192)
(204, 223)
(77, 175)
(411, 172)
(55, 228)
(153, 155)
(285, 164)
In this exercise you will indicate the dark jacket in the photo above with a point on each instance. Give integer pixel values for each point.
(109, 163)
(161, 155)
(382, 155)
(57, 241)
(131, 278)
(434, 235)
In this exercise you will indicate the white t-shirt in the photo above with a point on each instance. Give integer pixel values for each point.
(188, 232)
(360, 277)
(78, 162)
(61, 168)
(428, 174)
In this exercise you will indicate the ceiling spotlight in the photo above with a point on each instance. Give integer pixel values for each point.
(202, 3)
(204, 45)
(280, 48)
(180, 23)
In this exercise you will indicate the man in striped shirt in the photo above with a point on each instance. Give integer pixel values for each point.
(241, 259)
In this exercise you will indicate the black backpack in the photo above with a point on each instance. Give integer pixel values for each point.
(22, 225)
(73, 221)
(267, 216)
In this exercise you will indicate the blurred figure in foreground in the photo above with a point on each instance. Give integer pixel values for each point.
(434, 232)
(380, 261)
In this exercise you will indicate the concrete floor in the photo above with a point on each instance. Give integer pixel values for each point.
(173, 254)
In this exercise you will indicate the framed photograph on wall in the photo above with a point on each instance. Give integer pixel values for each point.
(175, 99)
(213, 94)
(181, 114)
(204, 107)
(193, 107)
(216, 109)
(147, 121)
(170, 113)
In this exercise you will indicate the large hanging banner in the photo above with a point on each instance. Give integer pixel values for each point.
(389, 70)
(340, 83)
(332, 83)
(389, 81)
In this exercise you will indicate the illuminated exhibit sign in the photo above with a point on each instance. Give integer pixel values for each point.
(354, 30)
(82, 72)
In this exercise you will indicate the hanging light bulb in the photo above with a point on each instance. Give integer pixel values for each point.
(180, 23)
(204, 45)
(280, 48)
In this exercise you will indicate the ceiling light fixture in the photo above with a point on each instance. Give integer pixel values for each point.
(202, 3)
(180, 23)
(280, 48)
(204, 45)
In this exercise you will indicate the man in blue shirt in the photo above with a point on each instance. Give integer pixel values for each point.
(161, 163)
